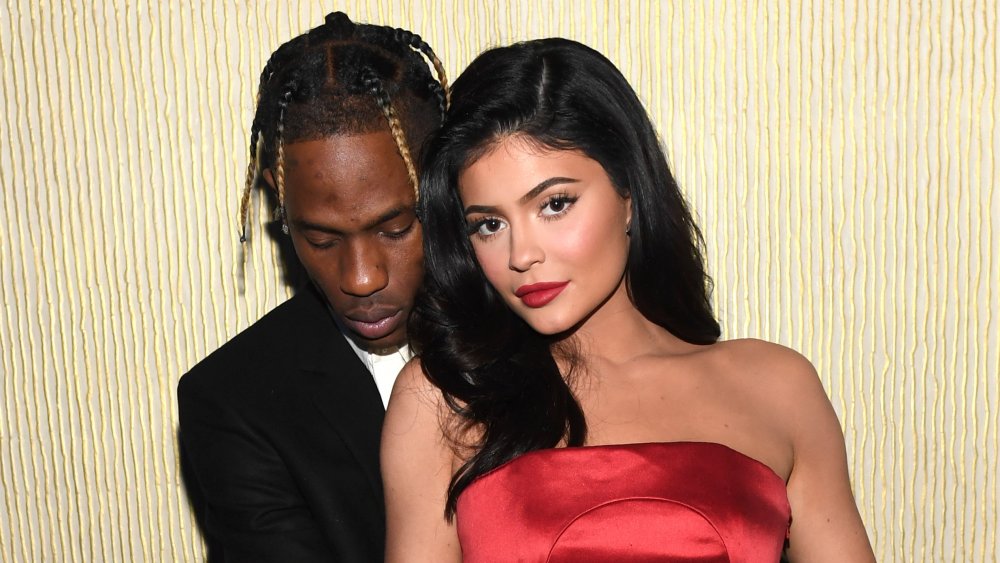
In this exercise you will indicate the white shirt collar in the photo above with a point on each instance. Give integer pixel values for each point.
(384, 366)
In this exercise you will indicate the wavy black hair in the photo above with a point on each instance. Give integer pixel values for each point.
(495, 372)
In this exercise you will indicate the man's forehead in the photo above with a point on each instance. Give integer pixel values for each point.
(351, 216)
(353, 159)
(343, 149)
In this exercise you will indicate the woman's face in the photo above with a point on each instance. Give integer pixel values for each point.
(549, 231)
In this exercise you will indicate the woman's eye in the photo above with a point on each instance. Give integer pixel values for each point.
(557, 205)
(487, 227)
(490, 226)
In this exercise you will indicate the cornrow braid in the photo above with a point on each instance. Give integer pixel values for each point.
(256, 145)
(416, 42)
(252, 171)
(442, 96)
(374, 85)
(279, 177)
(342, 78)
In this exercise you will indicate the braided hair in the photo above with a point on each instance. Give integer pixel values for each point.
(343, 78)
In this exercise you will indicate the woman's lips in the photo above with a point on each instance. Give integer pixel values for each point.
(374, 327)
(540, 294)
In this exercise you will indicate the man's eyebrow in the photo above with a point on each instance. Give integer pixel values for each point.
(387, 216)
(532, 194)
(383, 218)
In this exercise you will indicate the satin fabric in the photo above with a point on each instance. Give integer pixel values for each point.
(675, 501)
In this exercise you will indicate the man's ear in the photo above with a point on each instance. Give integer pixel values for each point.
(269, 180)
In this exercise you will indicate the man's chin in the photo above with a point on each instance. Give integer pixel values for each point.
(380, 346)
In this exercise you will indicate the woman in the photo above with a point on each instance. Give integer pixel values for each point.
(571, 401)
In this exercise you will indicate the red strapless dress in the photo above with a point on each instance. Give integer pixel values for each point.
(674, 501)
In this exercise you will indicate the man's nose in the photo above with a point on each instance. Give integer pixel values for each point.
(362, 269)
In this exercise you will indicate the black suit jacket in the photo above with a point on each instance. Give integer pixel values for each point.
(280, 433)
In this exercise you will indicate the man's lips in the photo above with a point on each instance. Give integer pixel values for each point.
(374, 324)
(539, 294)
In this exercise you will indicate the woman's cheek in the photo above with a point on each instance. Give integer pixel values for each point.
(491, 261)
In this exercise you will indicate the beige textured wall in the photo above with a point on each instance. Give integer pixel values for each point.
(842, 159)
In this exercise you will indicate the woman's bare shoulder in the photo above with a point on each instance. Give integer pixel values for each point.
(412, 391)
(755, 350)
(419, 413)
(411, 379)
(415, 401)
(417, 464)
(783, 384)
(759, 362)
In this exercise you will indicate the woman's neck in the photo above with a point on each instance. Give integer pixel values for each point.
(618, 332)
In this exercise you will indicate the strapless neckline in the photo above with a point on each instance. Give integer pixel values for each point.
(651, 501)
(630, 445)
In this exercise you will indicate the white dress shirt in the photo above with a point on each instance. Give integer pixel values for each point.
(384, 366)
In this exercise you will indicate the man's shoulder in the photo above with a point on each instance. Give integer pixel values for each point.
(263, 350)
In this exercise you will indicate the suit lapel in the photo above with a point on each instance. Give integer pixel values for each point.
(342, 389)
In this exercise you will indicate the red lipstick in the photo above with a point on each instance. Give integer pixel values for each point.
(540, 294)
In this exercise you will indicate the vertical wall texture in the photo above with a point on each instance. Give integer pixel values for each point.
(842, 158)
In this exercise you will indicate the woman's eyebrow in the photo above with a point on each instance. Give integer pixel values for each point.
(541, 187)
(532, 194)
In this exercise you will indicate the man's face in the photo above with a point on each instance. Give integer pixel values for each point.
(350, 213)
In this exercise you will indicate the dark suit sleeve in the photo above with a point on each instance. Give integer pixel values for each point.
(250, 507)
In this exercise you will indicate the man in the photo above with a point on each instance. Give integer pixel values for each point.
(280, 427)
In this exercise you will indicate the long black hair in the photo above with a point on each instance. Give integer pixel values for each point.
(496, 373)
(344, 78)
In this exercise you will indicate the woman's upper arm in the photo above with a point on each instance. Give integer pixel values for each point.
(417, 462)
(826, 525)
